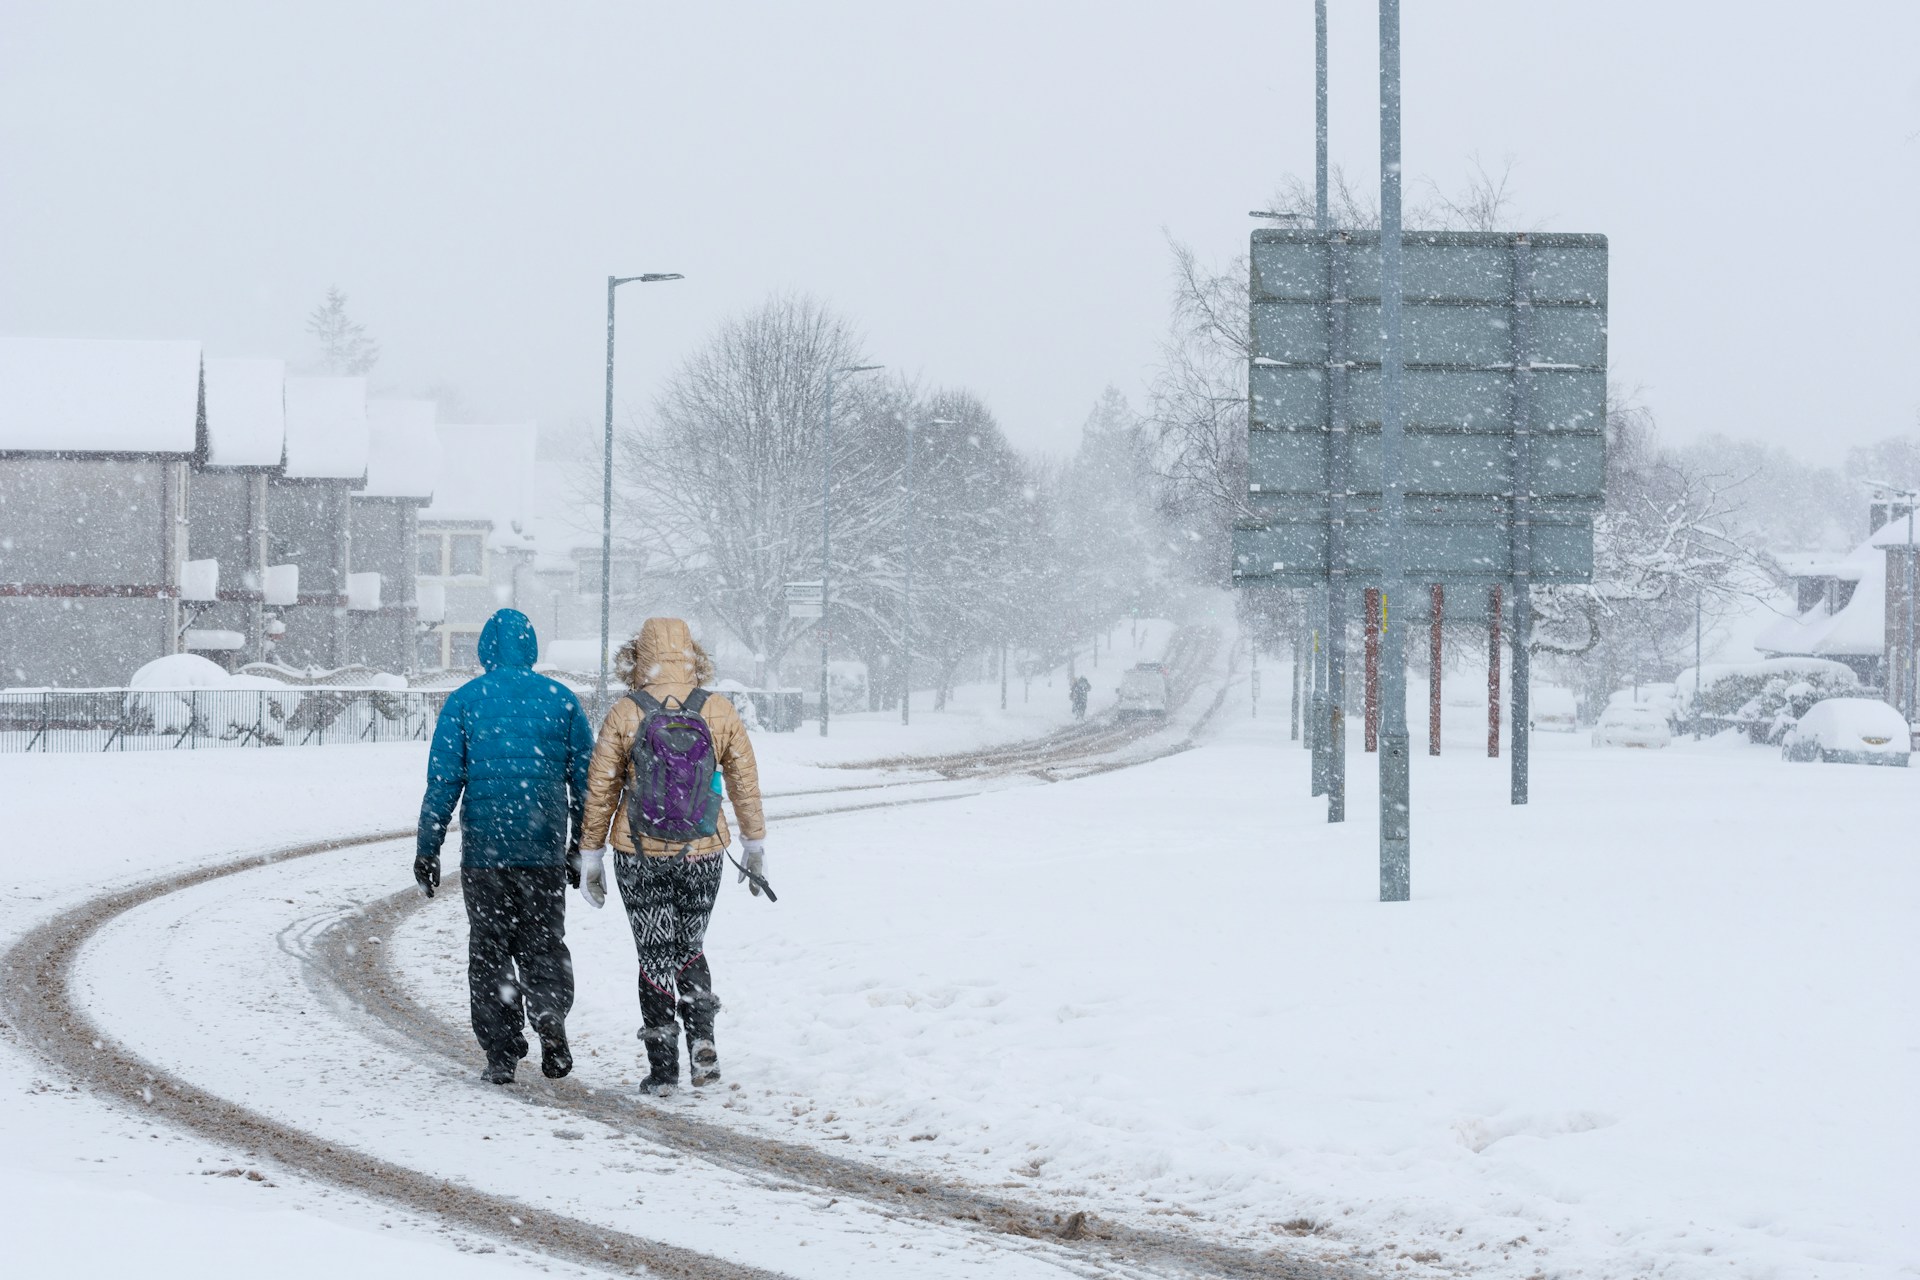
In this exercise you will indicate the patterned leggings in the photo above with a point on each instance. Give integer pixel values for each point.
(669, 901)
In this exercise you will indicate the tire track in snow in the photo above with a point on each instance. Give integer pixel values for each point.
(38, 1000)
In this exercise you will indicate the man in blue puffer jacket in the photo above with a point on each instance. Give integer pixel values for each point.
(512, 749)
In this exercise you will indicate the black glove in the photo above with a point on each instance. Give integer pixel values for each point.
(426, 872)
(573, 866)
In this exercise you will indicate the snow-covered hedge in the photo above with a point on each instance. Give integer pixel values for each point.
(1765, 697)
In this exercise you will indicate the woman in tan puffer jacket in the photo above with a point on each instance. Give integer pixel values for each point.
(669, 886)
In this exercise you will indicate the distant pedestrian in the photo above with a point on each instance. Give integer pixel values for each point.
(512, 749)
(656, 787)
(1078, 692)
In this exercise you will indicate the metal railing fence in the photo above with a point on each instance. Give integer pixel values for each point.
(49, 720)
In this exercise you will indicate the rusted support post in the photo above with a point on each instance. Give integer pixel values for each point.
(1372, 607)
(1493, 673)
(1434, 670)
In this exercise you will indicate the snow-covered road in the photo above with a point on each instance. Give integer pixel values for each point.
(1655, 1024)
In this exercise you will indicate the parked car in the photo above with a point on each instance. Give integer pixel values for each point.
(1660, 697)
(1631, 724)
(1554, 709)
(1849, 731)
(1143, 690)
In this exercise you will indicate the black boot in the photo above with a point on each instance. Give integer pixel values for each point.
(500, 1067)
(663, 1057)
(556, 1059)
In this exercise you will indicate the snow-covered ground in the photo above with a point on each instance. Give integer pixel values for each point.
(1659, 1022)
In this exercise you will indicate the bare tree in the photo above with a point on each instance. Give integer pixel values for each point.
(725, 485)
(1197, 406)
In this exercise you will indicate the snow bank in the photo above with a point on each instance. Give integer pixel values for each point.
(80, 395)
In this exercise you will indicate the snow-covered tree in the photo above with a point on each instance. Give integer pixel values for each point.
(1663, 547)
(1111, 541)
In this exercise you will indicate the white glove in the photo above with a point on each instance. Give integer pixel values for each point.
(593, 876)
(755, 862)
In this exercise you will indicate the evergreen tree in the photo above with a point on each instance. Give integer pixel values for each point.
(345, 348)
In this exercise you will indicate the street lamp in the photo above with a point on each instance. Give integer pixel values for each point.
(826, 525)
(606, 486)
(906, 628)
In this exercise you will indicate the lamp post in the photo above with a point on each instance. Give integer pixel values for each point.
(826, 527)
(906, 611)
(606, 487)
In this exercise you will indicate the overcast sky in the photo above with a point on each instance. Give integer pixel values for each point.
(985, 188)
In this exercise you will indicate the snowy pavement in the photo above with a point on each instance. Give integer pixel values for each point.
(1657, 1023)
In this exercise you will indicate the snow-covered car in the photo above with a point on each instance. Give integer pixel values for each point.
(1659, 698)
(1554, 709)
(1631, 724)
(1849, 731)
(1143, 690)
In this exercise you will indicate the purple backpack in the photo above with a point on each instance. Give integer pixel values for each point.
(676, 781)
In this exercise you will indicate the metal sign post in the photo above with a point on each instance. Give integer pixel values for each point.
(1491, 481)
(1395, 804)
(1426, 407)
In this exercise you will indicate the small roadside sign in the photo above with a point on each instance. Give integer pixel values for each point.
(805, 600)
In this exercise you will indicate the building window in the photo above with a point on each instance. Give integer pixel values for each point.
(467, 555)
(463, 650)
(430, 565)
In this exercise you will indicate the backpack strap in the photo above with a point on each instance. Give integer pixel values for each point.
(647, 703)
(695, 700)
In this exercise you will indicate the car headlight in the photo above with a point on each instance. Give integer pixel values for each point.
(1875, 742)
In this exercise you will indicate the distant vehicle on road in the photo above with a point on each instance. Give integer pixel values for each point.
(1143, 691)
(1629, 724)
(1849, 731)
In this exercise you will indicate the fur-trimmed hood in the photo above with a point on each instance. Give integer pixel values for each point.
(664, 653)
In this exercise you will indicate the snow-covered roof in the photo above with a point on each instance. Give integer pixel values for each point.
(246, 412)
(1818, 564)
(1856, 630)
(487, 473)
(565, 520)
(326, 428)
(403, 450)
(99, 395)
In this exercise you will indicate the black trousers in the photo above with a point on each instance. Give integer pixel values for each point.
(669, 901)
(518, 966)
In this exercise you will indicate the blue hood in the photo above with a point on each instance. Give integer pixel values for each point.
(508, 641)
